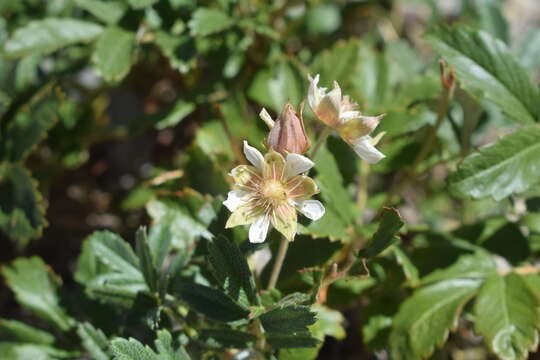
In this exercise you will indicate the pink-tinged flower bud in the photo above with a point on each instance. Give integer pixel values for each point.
(288, 134)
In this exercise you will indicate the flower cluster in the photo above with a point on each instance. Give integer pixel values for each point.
(272, 191)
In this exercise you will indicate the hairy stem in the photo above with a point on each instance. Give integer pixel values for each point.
(278, 264)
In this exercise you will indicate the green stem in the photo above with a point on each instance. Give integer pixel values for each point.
(322, 138)
(400, 179)
(278, 264)
(259, 332)
(361, 197)
(441, 115)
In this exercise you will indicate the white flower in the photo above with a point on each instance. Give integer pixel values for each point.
(270, 193)
(339, 113)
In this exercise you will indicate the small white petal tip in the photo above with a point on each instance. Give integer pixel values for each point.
(297, 164)
(312, 209)
(235, 199)
(259, 229)
(253, 155)
(366, 150)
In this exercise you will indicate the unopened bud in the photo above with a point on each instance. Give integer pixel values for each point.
(448, 76)
(288, 134)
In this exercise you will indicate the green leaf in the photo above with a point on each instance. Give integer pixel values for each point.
(131, 350)
(372, 77)
(234, 64)
(29, 126)
(148, 267)
(22, 209)
(479, 265)
(25, 351)
(113, 251)
(167, 118)
(16, 331)
(301, 340)
(113, 56)
(27, 72)
(88, 265)
(51, 34)
(507, 316)
(487, 70)
(323, 18)
(35, 287)
(107, 11)
(164, 346)
(212, 303)
(386, 233)
(275, 86)
(116, 288)
(94, 341)
(141, 4)
(506, 167)
(180, 110)
(179, 50)
(491, 18)
(231, 269)
(330, 322)
(235, 111)
(109, 269)
(375, 331)
(340, 212)
(410, 271)
(213, 141)
(185, 226)
(159, 241)
(309, 353)
(528, 51)
(337, 63)
(288, 319)
(226, 338)
(533, 283)
(207, 21)
(424, 319)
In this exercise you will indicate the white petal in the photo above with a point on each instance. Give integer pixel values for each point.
(335, 96)
(260, 259)
(259, 229)
(349, 114)
(296, 164)
(265, 116)
(235, 198)
(366, 150)
(254, 156)
(313, 92)
(312, 209)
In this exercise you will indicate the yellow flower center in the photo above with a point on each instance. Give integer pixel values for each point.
(274, 190)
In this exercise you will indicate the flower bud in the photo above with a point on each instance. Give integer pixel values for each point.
(288, 134)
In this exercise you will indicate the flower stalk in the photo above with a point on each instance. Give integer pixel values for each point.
(278, 264)
(321, 140)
